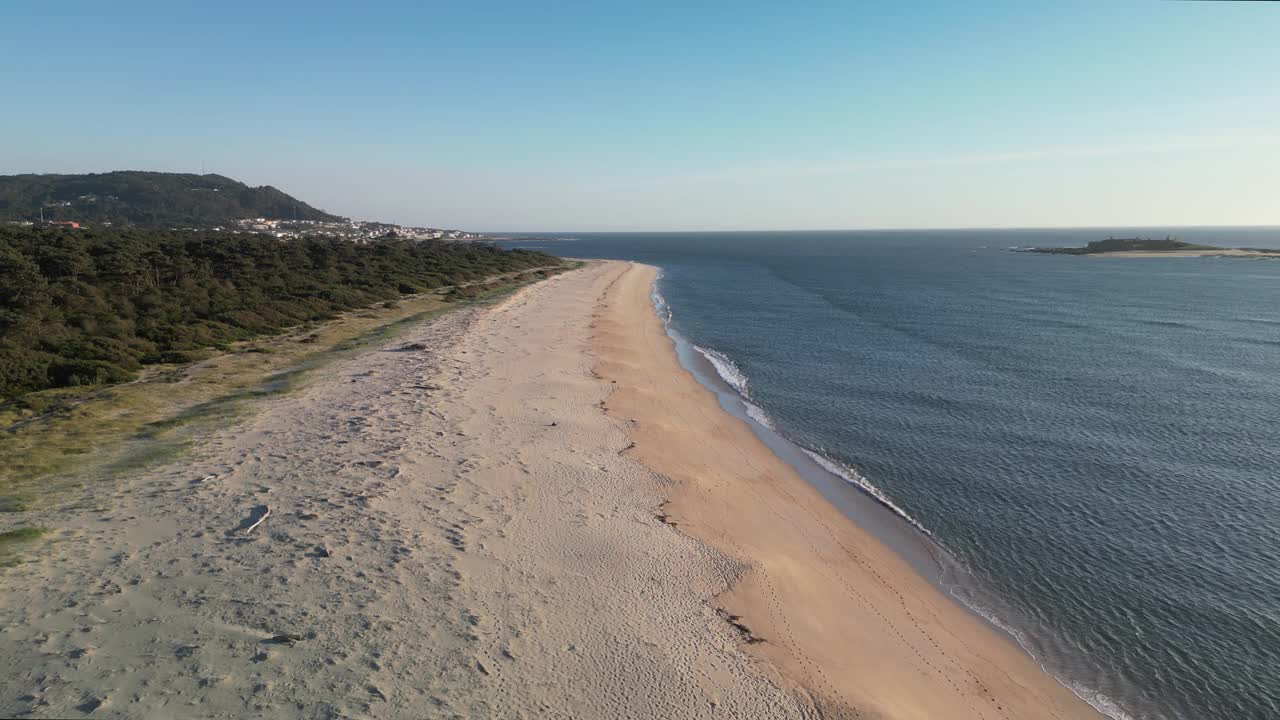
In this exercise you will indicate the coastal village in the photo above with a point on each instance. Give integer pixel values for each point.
(354, 230)
(184, 202)
(359, 231)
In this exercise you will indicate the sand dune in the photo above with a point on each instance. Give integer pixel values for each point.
(477, 529)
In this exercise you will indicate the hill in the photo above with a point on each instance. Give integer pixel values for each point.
(147, 198)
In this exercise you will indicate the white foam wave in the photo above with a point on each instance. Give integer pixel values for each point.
(966, 598)
(733, 375)
(1097, 700)
(660, 305)
(726, 368)
(853, 477)
(756, 413)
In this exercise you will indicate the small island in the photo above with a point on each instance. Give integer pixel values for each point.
(1149, 247)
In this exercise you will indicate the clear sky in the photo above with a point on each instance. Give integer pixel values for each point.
(669, 115)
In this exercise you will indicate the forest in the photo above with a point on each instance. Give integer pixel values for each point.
(82, 307)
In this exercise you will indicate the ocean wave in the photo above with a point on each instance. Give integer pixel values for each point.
(755, 412)
(733, 375)
(1261, 320)
(1098, 701)
(727, 369)
(855, 478)
(660, 305)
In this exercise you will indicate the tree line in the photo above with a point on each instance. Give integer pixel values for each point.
(92, 306)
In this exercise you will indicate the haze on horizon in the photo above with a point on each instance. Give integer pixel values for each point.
(660, 116)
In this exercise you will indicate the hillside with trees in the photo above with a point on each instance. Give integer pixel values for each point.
(93, 306)
(147, 199)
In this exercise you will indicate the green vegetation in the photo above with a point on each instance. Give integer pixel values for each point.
(11, 538)
(1096, 247)
(91, 307)
(147, 198)
(20, 535)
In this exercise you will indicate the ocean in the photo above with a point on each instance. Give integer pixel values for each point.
(1089, 448)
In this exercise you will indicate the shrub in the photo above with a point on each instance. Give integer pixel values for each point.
(63, 373)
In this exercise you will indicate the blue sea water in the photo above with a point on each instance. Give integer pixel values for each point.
(1092, 444)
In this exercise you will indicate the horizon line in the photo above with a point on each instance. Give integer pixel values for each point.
(887, 229)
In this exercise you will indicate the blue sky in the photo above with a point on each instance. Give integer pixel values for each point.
(670, 115)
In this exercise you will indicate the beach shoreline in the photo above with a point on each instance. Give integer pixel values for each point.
(524, 509)
(800, 602)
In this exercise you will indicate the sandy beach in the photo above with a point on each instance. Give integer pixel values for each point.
(528, 510)
(844, 619)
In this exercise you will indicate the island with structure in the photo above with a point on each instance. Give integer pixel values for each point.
(1149, 247)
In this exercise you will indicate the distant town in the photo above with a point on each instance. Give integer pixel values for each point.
(180, 201)
(355, 230)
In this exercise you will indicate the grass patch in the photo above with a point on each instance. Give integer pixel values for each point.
(10, 540)
(16, 502)
(9, 537)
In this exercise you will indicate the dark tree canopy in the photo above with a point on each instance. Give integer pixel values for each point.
(92, 306)
(147, 198)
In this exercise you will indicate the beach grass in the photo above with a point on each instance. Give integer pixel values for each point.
(11, 539)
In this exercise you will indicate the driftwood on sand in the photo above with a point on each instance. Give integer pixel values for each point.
(249, 525)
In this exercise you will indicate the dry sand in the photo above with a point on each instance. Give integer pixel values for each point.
(463, 531)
